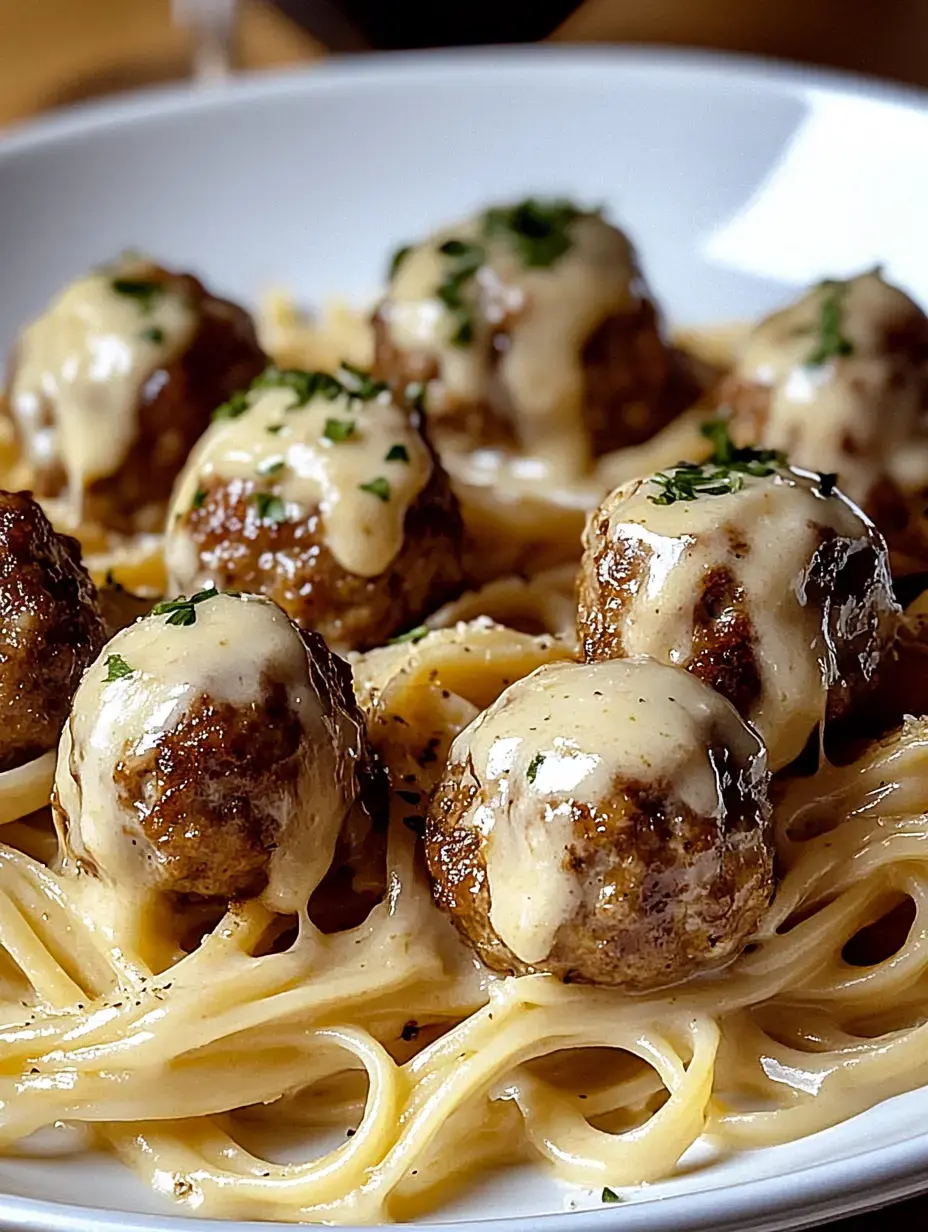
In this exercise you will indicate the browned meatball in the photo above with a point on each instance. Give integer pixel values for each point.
(112, 387)
(839, 380)
(213, 751)
(770, 586)
(334, 505)
(532, 328)
(606, 823)
(50, 628)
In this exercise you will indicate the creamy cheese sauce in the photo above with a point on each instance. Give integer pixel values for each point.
(765, 535)
(285, 450)
(861, 415)
(547, 314)
(573, 732)
(235, 646)
(81, 368)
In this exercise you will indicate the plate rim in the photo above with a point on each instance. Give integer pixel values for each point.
(820, 1192)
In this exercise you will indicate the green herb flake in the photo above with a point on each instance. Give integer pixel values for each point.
(270, 508)
(397, 453)
(274, 429)
(237, 405)
(153, 334)
(305, 385)
(357, 383)
(723, 474)
(414, 396)
(116, 668)
(411, 635)
(411, 797)
(464, 334)
(182, 611)
(533, 767)
(199, 497)
(538, 229)
(271, 466)
(398, 258)
(338, 429)
(379, 487)
(832, 343)
(609, 1195)
(144, 290)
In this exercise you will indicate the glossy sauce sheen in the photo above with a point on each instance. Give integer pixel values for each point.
(80, 370)
(630, 720)
(363, 532)
(234, 647)
(765, 536)
(552, 311)
(861, 415)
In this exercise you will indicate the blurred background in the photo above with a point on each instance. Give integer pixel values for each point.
(53, 52)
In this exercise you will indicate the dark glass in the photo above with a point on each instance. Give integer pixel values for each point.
(392, 25)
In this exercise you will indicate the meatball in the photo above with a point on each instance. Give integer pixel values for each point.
(212, 751)
(766, 582)
(531, 327)
(605, 823)
(113, 385)
(50, 628)
(322, 493)
(839, 380)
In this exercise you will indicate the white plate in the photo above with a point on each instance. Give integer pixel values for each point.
(738, 181)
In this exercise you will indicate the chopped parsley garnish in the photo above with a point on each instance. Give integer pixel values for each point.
(827, 481)
(533, 767)
(832, 343)
(609, 1195)
(183, 611)
(379, 487)
(154, 334)
(398, 258)
(338, 429)
(237, 405)
(145, 290)
(116, 668)
(199, 497)
(411, 635)
(270, 507)
(357, 383)
(722, 474)
(397, 453)
(306, 385)
(271, 466)
(539, 230)
(466, 258)
(414, 394)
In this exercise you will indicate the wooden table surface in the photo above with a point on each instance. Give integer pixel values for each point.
(56, 51)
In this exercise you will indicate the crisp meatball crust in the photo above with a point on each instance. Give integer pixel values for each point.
(532, 328)
(839, 380)
(605, 823)
(114, 384)
(214, 751)
(331, 502)
(773, 588)
(50, 628)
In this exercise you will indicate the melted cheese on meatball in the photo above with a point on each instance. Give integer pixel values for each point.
(631, 721)
(80, 369)
(552, 309)
(764, 537)
(229, 652)
(360, 463)
(862, 411)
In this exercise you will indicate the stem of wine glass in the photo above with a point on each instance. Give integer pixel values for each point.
(213, 24)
